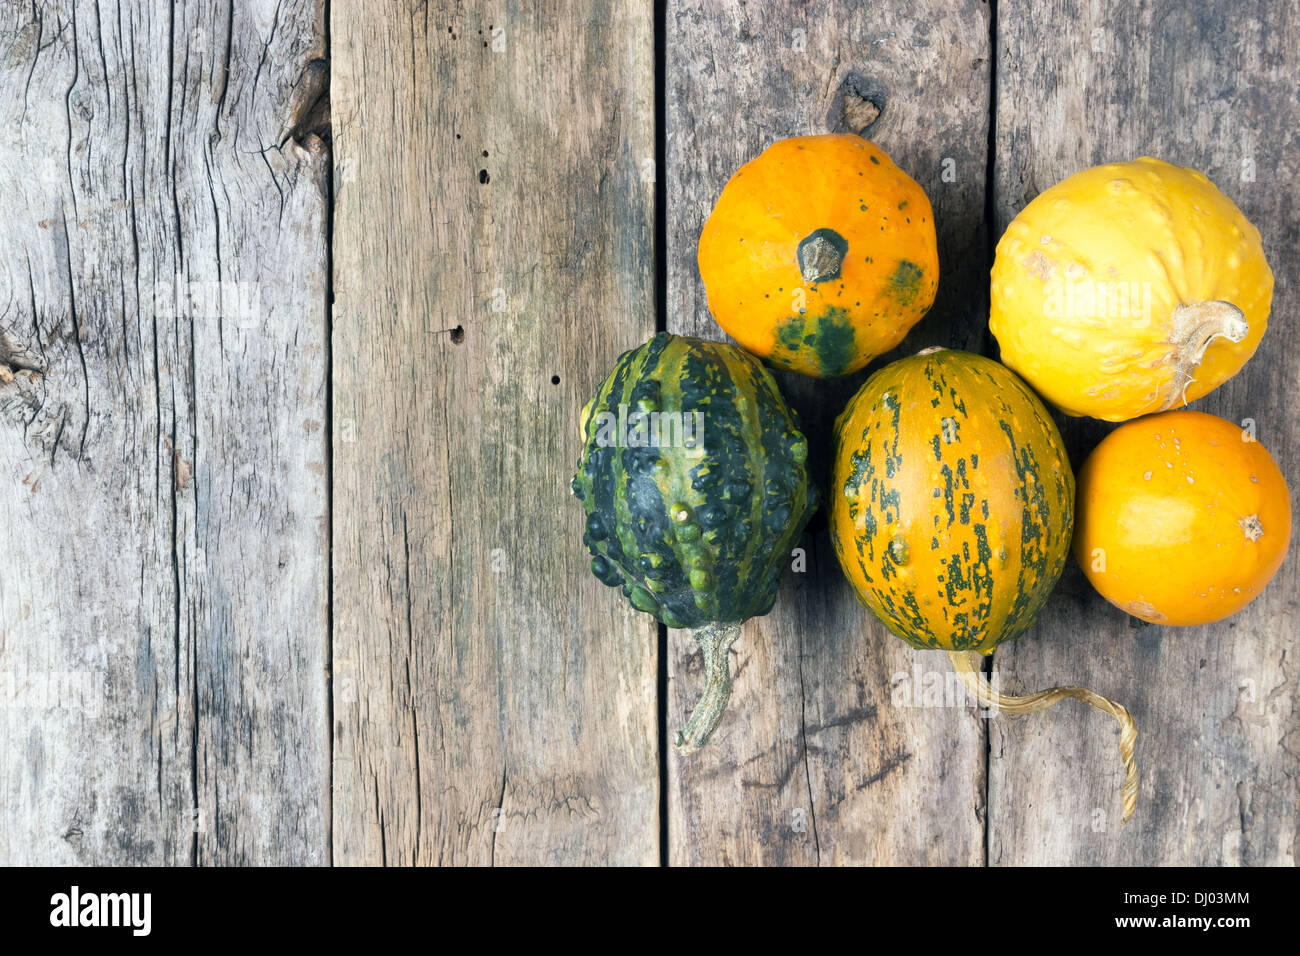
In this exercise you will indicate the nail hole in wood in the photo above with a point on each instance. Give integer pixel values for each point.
(457, 335)
(859, 106)
(555, 380)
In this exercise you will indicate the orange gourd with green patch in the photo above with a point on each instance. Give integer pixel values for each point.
(820, 255)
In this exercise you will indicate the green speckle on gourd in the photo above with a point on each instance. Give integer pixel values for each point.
(789, 334)
(833, 340)
(688, 532)
(701, 579)
(905, 282)
(828, 336)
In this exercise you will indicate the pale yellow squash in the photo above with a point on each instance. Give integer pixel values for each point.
(1129, 288)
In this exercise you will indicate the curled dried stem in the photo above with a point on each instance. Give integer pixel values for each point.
(1195, 326)
(967, 664)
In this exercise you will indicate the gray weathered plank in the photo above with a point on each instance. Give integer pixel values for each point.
(1210, 86)
(493, 703)
(162, 468)
(815, 762)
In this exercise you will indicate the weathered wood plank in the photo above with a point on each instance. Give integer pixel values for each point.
(493, 703)
(815, 762)
(1210, 86)
(162, 461)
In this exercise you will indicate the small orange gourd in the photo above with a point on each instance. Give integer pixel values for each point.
(1182, 518)
(820, 255)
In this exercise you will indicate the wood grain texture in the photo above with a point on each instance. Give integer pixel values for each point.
(167, 668)
(493, 703)
(163, 598)
(820, 758)
(1209, 86)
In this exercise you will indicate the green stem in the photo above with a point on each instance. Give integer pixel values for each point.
(715, 642)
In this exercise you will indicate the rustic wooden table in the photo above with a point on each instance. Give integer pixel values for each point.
(298, 305)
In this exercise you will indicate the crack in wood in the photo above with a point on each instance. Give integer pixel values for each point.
(309, 106)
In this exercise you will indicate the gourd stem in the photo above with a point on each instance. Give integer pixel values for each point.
(1195, 326)
(967, 664)
(715, 642)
